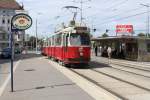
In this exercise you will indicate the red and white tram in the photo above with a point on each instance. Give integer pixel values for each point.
(70, 45)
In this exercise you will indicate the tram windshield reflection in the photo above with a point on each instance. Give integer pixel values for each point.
(79, 39)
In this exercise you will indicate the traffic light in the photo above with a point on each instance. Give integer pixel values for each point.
(107, 30)
(94, 29)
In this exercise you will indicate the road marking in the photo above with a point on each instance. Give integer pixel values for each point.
(2, 88)
(93, 90)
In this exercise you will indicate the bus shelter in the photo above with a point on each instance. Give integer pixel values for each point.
(130, 48)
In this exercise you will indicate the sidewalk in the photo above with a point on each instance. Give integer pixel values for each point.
(36, 79)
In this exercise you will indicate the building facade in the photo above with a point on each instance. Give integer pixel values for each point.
(8, 8)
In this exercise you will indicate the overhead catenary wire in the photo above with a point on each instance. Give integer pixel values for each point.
(124, 12)
(111, 17)
(118, 4)
(123, 18)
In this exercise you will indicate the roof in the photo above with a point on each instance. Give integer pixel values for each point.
(119, 38)
(10, 4)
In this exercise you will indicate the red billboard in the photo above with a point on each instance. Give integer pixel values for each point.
(126, 30)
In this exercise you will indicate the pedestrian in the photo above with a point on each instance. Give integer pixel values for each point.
(96, 50)
(109, 52)
(100, 50)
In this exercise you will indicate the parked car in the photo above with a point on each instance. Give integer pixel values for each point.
(6, 53)
(17, 50)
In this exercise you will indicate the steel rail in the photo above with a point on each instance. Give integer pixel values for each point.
(119, 79)
(101, 86)
(126, 70)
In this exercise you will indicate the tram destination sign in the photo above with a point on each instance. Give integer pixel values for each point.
(21, 22)
(124, 30)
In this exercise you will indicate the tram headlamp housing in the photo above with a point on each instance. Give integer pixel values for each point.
(81, 54)
(81, 51)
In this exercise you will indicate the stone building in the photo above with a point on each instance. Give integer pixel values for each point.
(8, 8)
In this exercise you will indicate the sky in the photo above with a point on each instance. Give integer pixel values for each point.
(99, 14)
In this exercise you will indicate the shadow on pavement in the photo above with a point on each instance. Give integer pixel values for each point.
(92, 64)
(48, 86)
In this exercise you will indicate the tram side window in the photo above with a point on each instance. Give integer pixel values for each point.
(64, 40)
(148, 47)
(49, 42)
(52, 41)
(58, 40)
(85, 40)
(75, 39)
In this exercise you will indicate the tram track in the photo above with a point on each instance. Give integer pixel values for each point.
(125, 70)
(136, 78)
(130, 66)
(116, 86)
(101, 86)
(122, 80)
(135, 66)
(132, 72)
(113, 65)
(108, 88)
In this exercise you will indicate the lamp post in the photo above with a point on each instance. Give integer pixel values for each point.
(36, 32)
(36, 35)
(148, 6)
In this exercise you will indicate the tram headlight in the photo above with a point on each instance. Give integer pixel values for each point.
(81, 53)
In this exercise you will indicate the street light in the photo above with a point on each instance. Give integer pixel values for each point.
(147, 5)
(36, 28)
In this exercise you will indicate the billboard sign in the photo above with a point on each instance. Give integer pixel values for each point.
(124, 30)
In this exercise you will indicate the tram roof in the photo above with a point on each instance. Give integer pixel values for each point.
(72, 29)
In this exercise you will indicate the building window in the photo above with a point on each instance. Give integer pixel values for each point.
(148, 47)
(4, 37)
(3, 21)
(8, 36)
(58, 39)
(18, 36)
(4, 11)
(8, 21)
(8, 29)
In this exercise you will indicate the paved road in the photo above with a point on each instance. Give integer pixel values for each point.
(5, 68)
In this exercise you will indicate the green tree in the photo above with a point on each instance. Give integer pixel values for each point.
(148, 35)
(141, 35)
(105, 35)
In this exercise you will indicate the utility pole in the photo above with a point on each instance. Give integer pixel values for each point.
(81, 11)
(81, 8)
(36, 36)
(148, 18)
(36, 32)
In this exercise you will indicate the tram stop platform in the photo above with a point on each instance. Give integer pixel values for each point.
(36, 79)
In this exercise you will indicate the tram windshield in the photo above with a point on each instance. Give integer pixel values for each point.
(79, 39)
